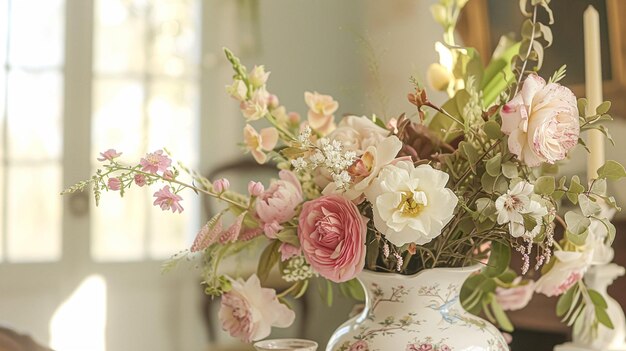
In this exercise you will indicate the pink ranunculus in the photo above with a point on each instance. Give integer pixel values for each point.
(109, 155)
(168, 200)
(288, 251)
(360, 345)
(155, 162)
(516, 298)
(249, 312)
(332, 235)
(541, 122)
(278, 204)
(114, 184)
(140, 179)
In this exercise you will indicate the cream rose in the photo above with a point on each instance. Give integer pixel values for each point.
(358, 133)
(411, 204)
(541, 122)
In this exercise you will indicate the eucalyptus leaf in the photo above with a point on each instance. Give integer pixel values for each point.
(545, 185)
(603, 108)
(612, 170)
(588, 206)
(493, 165)
(575, 188)
(492, 130)
(509, 170)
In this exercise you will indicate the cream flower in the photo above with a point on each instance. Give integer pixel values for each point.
(515, 204)
(568, 269)
(259, 143)
(321, 109)
(256, 107)
(358, 133)
(237, 90)
(249, 311)
(411, 204)
(541, 121)
(366, 168)
(258, 77)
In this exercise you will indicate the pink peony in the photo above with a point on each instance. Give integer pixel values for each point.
(155, 162)
(278, 203)
(114, 184)
(140, 179)
(109, 155)
(288, 251)
(332, 234)
(167, 200)
(515, 298)
(541, 122)
(249, 312)
(360, 345)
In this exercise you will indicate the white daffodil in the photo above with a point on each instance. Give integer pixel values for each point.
(517, 203)
(411, 205)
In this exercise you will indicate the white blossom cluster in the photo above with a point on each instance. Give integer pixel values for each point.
(297, 269)
(327, 154)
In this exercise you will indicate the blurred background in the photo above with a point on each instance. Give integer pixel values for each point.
(82, 76)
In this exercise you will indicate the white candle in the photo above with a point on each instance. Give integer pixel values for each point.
(593, 87)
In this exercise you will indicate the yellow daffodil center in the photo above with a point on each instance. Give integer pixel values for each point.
(413, 202)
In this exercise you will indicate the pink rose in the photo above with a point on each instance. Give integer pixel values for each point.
(541, 122)
(249, 312)
(332, 235)
(360, 345)
(278, 203)
(515, 298)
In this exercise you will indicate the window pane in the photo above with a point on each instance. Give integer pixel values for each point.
(37, 33)
(173, 119)
(34, 115)
(119, 34)
(117, 121)
(34, 213)
(175, 44)
(118, 226)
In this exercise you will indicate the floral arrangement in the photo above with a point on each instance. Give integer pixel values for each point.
(467, 182)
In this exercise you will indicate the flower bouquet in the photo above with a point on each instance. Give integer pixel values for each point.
(470, 182)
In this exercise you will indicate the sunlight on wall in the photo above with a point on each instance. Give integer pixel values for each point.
(79, 324)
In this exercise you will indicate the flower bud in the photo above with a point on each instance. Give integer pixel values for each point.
(114, 184)
(221, 185)
(255, 188)
(438, 77)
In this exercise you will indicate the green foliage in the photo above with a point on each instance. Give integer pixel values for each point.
(353, 289)
(545, 185)
(612, 170)
(577, 228)
(498, 260)
(269, 258)
(442, 125)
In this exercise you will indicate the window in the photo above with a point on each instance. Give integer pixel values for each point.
(31, 52)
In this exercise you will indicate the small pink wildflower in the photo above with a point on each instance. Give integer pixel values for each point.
(114, 184)
(168, 175)
(221, 185)
(109, 155)
(167, 200)
(140, 179)
(155, 162)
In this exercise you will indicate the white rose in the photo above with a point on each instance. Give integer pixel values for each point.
(541, 121)
(358, 133)
(566, 271)
(411, 205)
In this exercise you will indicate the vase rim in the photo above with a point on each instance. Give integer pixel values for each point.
(466, 269)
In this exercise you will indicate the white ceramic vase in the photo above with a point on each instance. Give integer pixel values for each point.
(421, 312)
